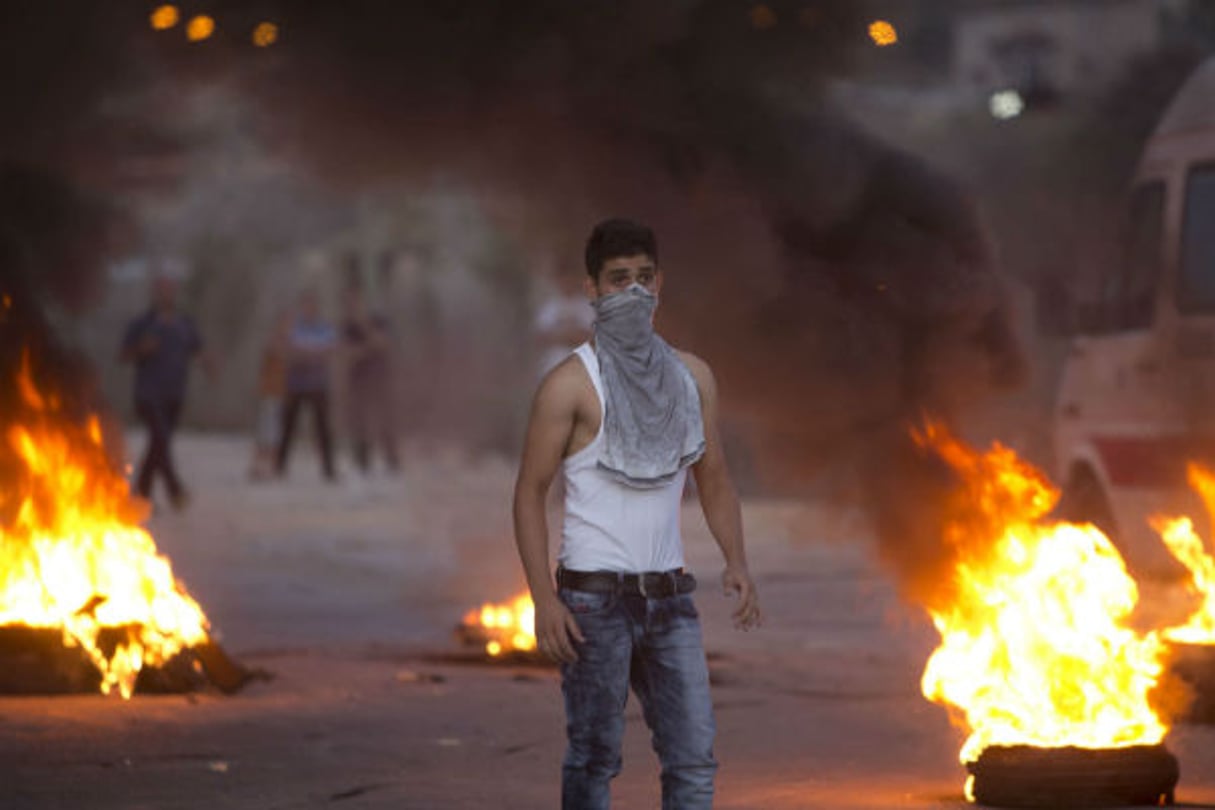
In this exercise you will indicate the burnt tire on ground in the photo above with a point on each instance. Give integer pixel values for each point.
(36, 661)
(1031, 777)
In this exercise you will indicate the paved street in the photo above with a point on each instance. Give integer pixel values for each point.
(349, 595)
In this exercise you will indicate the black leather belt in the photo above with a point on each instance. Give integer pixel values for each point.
(653, 584)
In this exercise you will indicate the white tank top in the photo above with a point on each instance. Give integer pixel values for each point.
(609, 526)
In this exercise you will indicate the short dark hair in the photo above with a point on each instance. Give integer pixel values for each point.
(614, 238)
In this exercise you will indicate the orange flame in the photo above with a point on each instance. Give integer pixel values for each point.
(1185, 544)
(72, 555)
(510, 627)
(1034, 645)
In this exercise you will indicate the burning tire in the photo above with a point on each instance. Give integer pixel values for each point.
(1026, 776)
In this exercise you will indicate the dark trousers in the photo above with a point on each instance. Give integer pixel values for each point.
(159, 416)
(318, 402)
(372, 422)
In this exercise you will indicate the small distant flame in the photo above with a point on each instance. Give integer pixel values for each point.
(1035, 648)
(509, 627)
(72, 555)
(1185, 544)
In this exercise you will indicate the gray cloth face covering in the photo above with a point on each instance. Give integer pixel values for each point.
(652, 424)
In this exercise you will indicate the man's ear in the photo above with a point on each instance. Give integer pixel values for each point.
(590, 287)
(657, 281)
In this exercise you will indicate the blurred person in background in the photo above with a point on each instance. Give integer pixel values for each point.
(623, 419)
(161, 343)
(271, 389)
(367, 347)
(311, 341)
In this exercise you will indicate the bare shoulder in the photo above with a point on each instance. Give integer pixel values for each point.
(565, 385)
(700, 371)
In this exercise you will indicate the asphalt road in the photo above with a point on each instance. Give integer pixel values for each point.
(349, 595)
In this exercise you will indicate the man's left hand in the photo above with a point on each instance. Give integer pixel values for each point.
(737, 580)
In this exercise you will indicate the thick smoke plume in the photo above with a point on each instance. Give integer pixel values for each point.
(838, 285)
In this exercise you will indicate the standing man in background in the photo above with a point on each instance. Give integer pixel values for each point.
(310, 345)
(161, 343)
(370, 382)
(271, 386)
(622, 419)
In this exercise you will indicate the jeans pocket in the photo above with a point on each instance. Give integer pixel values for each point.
(685, 607)
(585, 603)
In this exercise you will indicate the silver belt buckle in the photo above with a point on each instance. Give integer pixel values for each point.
(641, 586)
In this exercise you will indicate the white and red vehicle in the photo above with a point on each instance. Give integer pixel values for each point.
(1137, 396)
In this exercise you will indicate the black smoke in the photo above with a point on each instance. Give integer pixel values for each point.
(837, 284)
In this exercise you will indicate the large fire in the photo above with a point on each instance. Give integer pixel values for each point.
(1035, 649)
(1185, 544)
(510, 627)
(72, 555)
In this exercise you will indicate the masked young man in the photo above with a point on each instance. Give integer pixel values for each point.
(623, 419)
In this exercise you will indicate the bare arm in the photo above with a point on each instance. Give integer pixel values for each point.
(548, 432)
(719, 500)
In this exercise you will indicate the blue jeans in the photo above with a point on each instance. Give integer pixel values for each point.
(654, 645)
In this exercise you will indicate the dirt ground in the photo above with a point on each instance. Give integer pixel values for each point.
(349, 594)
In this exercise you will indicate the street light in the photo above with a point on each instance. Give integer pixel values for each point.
(199, 28)
(883, 33)
(1006, 104)
(265, 34)
(164, 17)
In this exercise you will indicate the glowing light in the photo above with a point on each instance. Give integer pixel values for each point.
(164, 17)
(762, 17)
(883, 33)
(265, 34)
(1006, 104)
(200, 28)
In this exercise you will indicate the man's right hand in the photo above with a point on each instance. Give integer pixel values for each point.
(556, 630)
